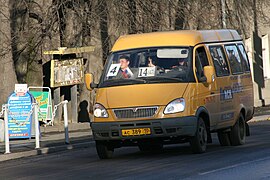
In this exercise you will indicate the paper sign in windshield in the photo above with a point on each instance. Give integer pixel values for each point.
(147, 71)
(114, 68)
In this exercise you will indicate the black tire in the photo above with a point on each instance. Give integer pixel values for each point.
(199, 141)
(238, 132)
(104, 150)
(224, 138)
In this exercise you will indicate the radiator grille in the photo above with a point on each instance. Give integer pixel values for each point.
(137, 112)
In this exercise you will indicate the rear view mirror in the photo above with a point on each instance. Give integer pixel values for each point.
(89, 81)
(209, 73)
(172, 53)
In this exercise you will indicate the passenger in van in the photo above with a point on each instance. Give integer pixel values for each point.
(124, 72)
(151, 62)
(235, 65)
(181, 66)
(220, 65)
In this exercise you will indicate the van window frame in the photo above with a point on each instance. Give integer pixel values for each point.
(227, 55)
(221, 46)
(243, 59)
(195, 60)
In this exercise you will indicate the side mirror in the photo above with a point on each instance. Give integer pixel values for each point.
(209, 73)
(89, 81)
(203, 79)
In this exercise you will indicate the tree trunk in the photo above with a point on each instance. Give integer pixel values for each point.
(8, 77)
(132, 16)
(20, 33)
(95, 59)
(180, 15)
(84, 101)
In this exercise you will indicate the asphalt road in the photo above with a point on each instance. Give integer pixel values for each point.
(249, 161)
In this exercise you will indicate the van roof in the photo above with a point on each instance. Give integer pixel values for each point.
(174, 38)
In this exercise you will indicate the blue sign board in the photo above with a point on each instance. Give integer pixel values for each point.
(19, 116)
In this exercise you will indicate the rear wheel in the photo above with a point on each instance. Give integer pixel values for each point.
(104, 150)
(238, 132)
(199, 141)
(224, 138)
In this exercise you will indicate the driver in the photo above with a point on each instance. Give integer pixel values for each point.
(181, 66)
(124, 72)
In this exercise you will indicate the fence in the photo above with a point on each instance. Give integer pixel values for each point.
(35, 110)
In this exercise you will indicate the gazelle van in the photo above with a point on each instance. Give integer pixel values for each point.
(172, 87)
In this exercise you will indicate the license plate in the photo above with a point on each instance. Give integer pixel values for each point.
(136, 132)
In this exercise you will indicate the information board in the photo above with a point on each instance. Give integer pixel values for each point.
(19, 116)
(66, 72)
(44, 101)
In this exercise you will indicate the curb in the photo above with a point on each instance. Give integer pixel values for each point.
(260, 118)
(45, 150)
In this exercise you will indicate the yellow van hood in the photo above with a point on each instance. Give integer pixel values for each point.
(140, 95)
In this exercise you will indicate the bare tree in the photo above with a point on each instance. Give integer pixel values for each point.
(38, 25)
(8, 77)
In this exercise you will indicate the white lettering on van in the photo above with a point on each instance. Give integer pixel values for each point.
(226, 94)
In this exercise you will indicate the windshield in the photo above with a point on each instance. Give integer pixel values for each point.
(151, 65)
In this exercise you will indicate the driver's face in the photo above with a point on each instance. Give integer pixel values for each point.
(124, 63)
(181, 62)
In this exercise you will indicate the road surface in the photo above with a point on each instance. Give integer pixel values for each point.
(249, 161)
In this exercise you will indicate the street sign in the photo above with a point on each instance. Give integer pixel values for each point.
(20, 115)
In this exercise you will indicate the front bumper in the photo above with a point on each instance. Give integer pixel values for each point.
(166, 127)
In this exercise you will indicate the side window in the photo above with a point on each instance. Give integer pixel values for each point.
(200, 62)
(234, 59)
(244, 59)
(219, 60)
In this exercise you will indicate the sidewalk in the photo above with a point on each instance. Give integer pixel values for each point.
(52, 140)
(261, 114)
(260, 118)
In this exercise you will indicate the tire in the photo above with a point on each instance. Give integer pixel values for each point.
(224, 138)
(199, 141)
(238, 132)
(104, 150)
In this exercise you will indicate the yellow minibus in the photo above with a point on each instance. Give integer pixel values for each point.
(173, 87)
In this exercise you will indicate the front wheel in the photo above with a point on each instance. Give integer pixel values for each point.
(238, 132)
(199, 141)
(104, 150)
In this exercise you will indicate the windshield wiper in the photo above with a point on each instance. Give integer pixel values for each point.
(162, 79)
(115, 82)
(142, 80)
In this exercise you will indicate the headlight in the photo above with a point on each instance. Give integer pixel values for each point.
(100, 111)
(175, 106)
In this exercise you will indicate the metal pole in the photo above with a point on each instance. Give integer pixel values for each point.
(66, 122)
(74, 104)
(6, 130)
(36, 126)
